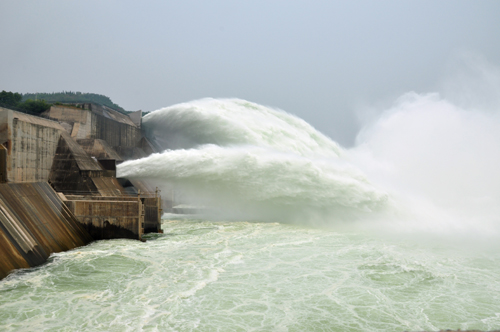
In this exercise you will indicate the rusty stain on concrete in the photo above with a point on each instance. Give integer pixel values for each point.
(34, 223)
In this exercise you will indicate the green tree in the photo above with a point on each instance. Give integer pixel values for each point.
(34, 106)
(10, 99)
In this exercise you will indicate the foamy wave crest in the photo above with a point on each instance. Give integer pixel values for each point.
(227, 122)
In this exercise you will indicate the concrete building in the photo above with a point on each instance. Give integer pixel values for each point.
(58, 185)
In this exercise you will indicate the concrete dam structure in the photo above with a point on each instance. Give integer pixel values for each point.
(34, 223)
(58, 185)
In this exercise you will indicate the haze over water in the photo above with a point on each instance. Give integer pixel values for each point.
(398, 233)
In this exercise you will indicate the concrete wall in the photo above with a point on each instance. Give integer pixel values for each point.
(5, 123)
(152, 214)
(34, 223)
(78, 122)
(136, 118)
(115, 133)
(150, 197)
(97, 122)
(33, 151)
(109, 217)
(68, 113)
(84, 129)
(31, 144)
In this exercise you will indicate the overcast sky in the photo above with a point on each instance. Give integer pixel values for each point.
(320, 60)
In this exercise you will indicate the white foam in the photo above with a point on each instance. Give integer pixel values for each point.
(427, 163)
(247, 161)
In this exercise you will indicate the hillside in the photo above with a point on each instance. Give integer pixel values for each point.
(74, 97)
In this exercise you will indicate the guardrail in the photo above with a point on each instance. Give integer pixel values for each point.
(113, 193)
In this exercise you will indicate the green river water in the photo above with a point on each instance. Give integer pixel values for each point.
(242, 276)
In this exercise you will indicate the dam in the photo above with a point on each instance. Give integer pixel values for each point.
(58, 185)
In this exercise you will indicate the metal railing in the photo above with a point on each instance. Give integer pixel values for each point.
(112, 193)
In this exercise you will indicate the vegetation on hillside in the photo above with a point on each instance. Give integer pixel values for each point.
(74, 97)
(10, 98)
(36, 103)
(13, 100)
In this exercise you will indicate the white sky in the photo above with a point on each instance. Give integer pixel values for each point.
(321, 60)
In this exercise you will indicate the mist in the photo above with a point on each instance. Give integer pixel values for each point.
(440, 152)
(427, 164)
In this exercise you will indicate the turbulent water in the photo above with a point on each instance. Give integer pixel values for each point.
(240, 276)
(296, 233)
